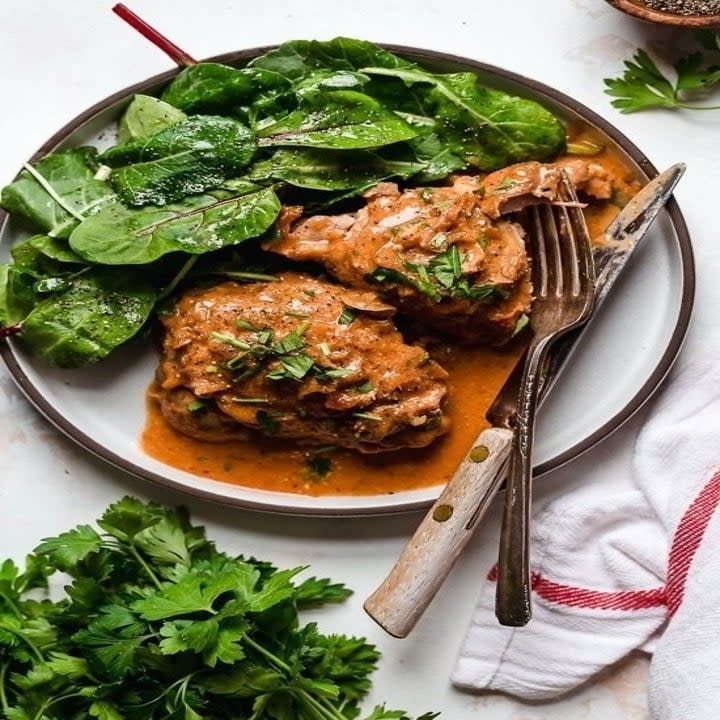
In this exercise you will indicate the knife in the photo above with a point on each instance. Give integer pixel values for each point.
(403, 596)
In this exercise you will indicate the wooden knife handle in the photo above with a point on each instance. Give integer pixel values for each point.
(441, 536)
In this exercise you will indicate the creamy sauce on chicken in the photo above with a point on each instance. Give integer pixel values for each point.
(474, 377)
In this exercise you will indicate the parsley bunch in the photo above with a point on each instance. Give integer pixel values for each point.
(643, 85)
(158, 624)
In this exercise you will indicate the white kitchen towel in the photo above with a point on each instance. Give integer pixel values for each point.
(634, 567)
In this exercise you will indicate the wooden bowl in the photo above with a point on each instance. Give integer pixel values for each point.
(643, 12)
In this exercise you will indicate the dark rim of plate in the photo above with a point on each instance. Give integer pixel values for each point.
(533, 87)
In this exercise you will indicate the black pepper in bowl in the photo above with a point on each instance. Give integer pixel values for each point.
(685, 7)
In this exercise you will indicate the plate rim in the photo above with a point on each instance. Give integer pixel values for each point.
(641, 396)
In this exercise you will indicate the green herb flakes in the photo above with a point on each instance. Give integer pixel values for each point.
(346, 317)
(268, 420)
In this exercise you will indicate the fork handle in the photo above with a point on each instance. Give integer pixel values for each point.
(406, 592)
(512, 600)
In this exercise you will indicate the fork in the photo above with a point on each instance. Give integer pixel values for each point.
(563, 282)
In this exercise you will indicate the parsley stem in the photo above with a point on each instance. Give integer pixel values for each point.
(39, 714)
(263, 651)
(698, 107)
(7, 601)
(327, 710)
(145, 566)
(29, 643)
(3, 696)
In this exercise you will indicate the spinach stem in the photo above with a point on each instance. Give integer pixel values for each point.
(50, 190)
(175, 53)
(9, 331)
(184, 270)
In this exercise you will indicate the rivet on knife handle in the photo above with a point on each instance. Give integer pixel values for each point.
(441, 536)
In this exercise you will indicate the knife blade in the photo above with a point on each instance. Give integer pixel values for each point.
(406, 592)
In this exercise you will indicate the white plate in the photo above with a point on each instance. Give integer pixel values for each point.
(624, 355)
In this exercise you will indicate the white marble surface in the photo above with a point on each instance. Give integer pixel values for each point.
(58, 58)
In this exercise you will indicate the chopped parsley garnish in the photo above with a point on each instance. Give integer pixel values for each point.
(333, 373)
(195, 406)
(346, 317)
(439, 279)
(291, 342)
(268, 420)
(292, 367)
(230, 340)
(365, 387)
(367, 416)
(245, 325)
(506, 184)
(318, 466)
(521, 323)
(293, 362)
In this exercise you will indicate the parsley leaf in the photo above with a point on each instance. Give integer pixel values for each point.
(314, 592)
(69, 548)
(644, 85)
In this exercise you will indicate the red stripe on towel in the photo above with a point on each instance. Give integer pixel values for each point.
(688, 536)
(686, 541)
(570, 596)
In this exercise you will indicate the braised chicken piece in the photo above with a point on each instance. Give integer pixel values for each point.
(431, 252)
(517, 186)
(299, 358)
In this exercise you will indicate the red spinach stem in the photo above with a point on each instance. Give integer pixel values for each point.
(6, 332)
(176, 54)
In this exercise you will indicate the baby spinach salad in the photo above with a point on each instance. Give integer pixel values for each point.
(156, 623)
(206, 166)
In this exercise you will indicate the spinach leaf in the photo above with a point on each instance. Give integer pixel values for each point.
(100, 310)
(329, 80)
(341, 120)
(297, 58)
(66, 191)
(318, 169)
(146, 116)
(17, 294)
(119, 235)
(468, 124)
(32, 251)
(187, 158)
(212, 87)
(488, 128)
(438, 159)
